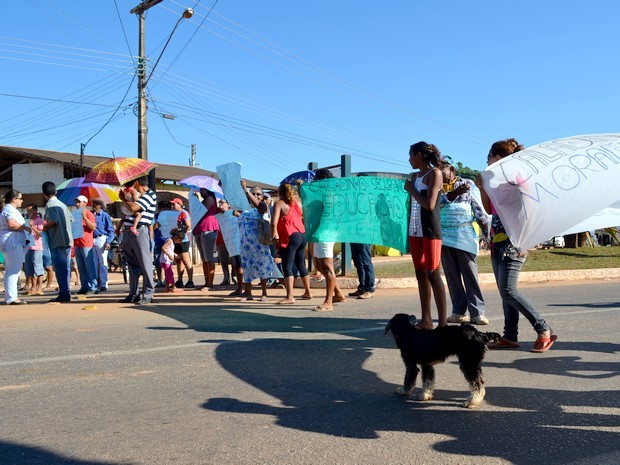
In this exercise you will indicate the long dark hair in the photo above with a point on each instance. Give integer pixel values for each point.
(11, 195)
(430, 154)
(503, 148)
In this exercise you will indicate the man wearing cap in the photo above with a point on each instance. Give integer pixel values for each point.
(184, 222)
(84, 253)
(102, 237)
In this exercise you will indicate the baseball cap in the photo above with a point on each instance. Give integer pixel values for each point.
(81, 198)
(177, 200)
(266, 195)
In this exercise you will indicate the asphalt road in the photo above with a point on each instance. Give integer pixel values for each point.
(205, 380)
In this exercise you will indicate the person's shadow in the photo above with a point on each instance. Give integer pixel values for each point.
(326, 384)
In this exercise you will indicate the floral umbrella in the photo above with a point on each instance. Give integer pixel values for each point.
(305, 176)
(119, 170)
(203, 182)
(71, 188)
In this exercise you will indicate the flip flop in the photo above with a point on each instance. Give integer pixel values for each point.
(284, 302)
(543, 344)
(264, 298)
(305, 297)
(337, 300)
(322, 308)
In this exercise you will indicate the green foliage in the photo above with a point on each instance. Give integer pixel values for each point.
(466, 172)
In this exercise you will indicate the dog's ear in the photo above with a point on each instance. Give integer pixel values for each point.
(412, 320)
(388, 326)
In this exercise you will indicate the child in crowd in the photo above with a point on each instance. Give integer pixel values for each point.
(167, 258)
(131, 195)
(33, 264)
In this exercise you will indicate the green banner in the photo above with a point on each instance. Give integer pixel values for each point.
(362, 209)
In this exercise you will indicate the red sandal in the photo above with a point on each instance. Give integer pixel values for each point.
(543, 344)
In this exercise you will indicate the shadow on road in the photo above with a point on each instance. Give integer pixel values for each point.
(16, 454)
(322, 385)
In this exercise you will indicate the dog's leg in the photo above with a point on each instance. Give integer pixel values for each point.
(428, 383)
(473, 374)
(411, 374)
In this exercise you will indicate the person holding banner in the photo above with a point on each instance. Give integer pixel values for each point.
(425, 229)
(256, 259)
(507, 262)
(323, 255)
(289, 235)
(460, 207)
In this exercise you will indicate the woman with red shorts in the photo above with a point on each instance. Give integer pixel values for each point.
(425, 230)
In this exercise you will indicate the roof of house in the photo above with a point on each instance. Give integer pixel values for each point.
(76, 166)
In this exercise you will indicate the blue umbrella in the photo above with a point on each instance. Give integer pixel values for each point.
(306, 176)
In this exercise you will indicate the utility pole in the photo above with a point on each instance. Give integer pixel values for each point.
(142, 126)
(192, 160)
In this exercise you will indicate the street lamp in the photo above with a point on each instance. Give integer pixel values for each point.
(142, 78)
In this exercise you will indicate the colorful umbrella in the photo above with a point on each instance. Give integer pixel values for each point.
(119, 170)
(305, 176)
(203, 182)
(71, 188)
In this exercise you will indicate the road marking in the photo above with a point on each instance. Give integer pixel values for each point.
(380, 328)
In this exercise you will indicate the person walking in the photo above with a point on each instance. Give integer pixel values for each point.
(102, 238)
(57, 225)
(184, 261)
(507, 262)
(460, 207)
(13, 244)
(84, 253)
(137, 248)
(425, 230)
(289, 236)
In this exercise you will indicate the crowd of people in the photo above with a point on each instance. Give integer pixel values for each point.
(266, 243)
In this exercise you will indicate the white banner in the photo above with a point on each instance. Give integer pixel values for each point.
(554, 187)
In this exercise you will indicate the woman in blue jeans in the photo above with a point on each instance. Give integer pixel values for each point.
(507, 261)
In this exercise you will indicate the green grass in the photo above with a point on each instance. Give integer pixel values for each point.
(582, 258)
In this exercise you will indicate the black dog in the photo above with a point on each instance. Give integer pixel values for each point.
(427, 348)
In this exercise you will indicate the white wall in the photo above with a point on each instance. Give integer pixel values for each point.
(28, 177)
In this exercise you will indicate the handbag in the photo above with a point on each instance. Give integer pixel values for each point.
(264, 231)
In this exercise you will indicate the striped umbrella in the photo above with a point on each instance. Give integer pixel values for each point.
(71, 188)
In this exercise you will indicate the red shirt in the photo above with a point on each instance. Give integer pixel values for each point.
(87, 239)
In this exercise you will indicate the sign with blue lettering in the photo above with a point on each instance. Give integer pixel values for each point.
(553, 188)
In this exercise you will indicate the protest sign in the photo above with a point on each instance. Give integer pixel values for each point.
(362, 209)
(229, 227)
(550, 188)
(196, 209)
(168, 220)
(77, 228)
(230, 175)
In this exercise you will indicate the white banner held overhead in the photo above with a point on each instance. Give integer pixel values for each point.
(551, 188)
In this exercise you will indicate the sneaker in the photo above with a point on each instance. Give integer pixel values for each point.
(103, 289)
(145, 301)
(366, 295)
(179, 283)
(480, 320)
(58, 300)
(159, 284)
(226, 282)
(189, 285)
(357, 293)
(457, 318)
(129, 299)
(503, 343)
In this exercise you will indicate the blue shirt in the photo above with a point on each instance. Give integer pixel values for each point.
(104, 226)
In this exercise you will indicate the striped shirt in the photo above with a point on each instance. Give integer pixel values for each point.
(147, 203)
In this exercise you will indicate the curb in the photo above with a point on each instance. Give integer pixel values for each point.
(530, 277)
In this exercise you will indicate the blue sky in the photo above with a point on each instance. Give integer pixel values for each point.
(276, 84)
